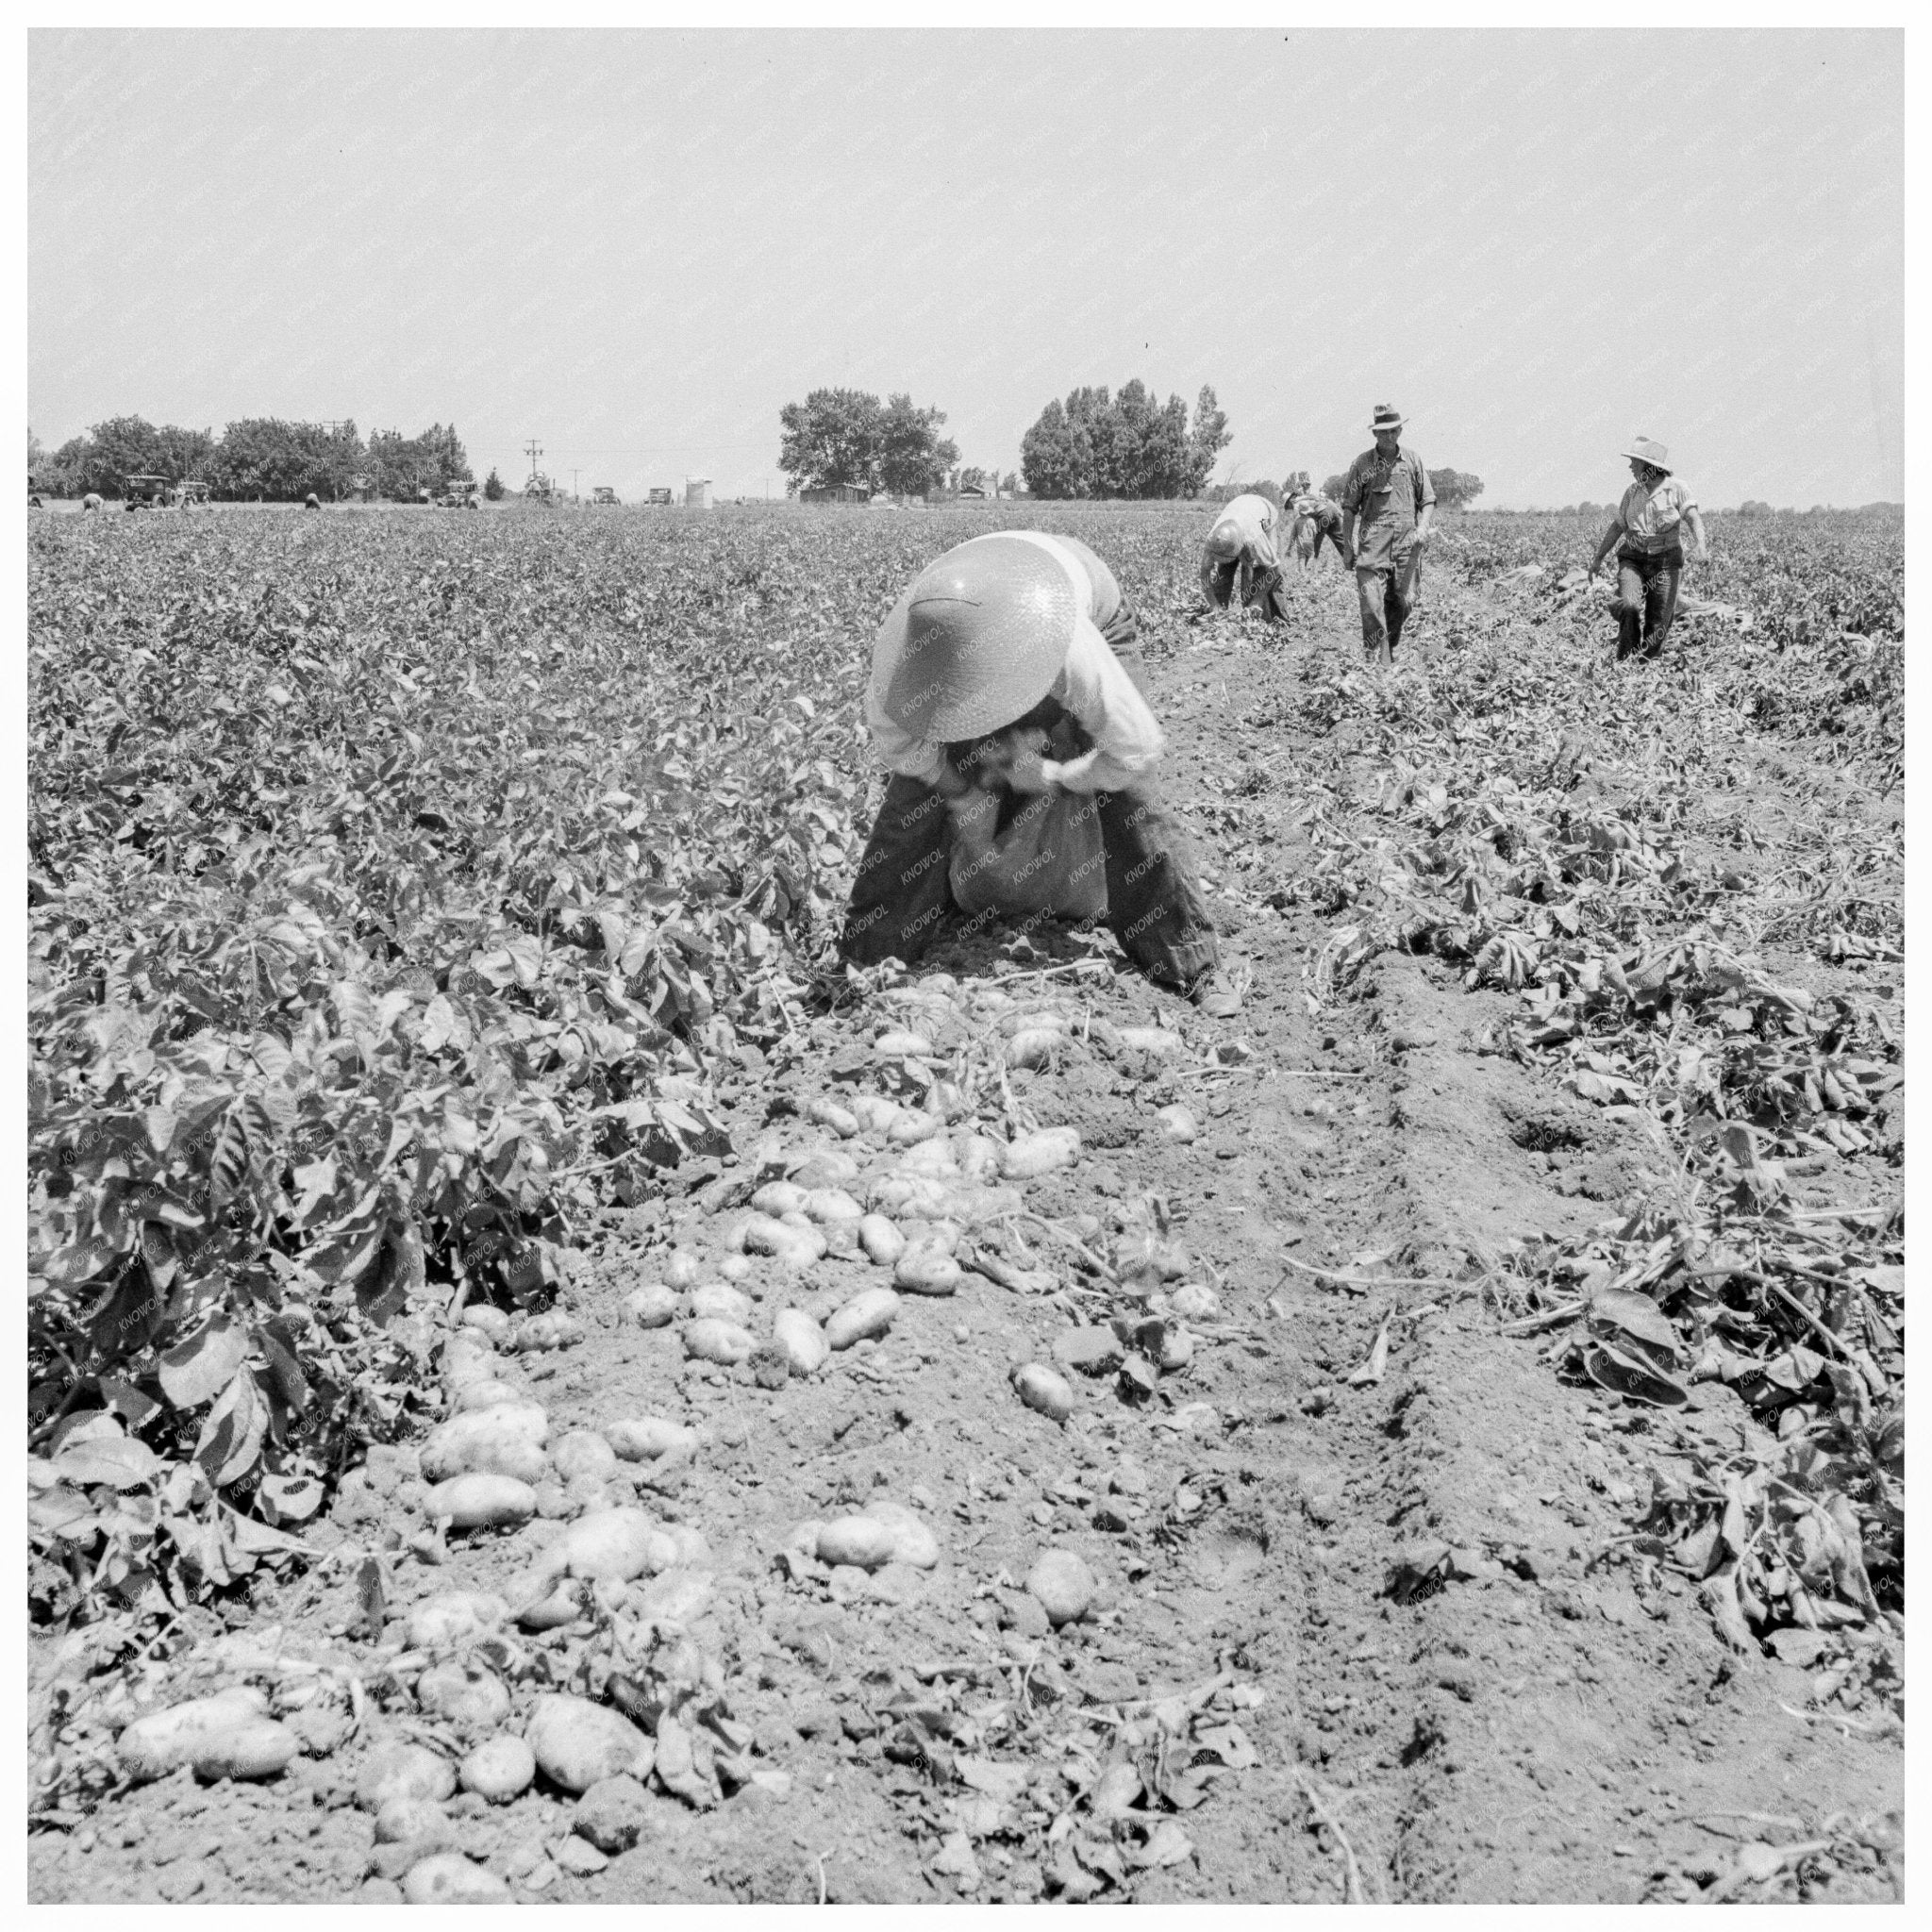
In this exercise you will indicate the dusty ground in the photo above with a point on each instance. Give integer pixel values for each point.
(1531, 1730)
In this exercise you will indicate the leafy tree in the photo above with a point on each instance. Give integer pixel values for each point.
(282, 463)
(493, 486)
(1210, 436)
(913, 458)
(1009, 484)
(1096, 444)
(123, 447)
(1332, 487)
(832, 438)
(406, 466)
(1753, 507)
(974, 477)
(35, 453)
(1455, 489)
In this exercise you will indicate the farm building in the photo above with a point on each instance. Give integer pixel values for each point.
(697, 492)
(836, 493)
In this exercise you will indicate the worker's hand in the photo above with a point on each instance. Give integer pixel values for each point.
(1011, 761)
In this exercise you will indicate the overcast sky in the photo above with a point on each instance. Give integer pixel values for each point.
(636, 248)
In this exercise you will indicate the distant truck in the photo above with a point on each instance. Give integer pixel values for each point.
(660, 496)
(460, 493)
(604, 493)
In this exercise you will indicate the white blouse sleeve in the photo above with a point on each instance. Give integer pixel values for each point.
(1127, 741)
(900, 751)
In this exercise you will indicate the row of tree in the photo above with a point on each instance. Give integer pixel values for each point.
(258, 457)
(1094, 445)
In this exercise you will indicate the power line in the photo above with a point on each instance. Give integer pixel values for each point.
(534, 450)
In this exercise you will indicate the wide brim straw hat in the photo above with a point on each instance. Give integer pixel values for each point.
(978, 640)
(1387, 418)
(1642, 450)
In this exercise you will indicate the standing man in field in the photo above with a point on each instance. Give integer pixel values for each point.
(1241, 548)
(1008, 675)
(1387, 507)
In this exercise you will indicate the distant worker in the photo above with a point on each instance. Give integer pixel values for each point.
(1009, 668)
(1648, 534)
(1241, 549)
(1315, 516)
(1387, 505)
(311, 501)
(92, 501)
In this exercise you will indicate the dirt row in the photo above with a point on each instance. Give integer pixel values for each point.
(1308, 1705)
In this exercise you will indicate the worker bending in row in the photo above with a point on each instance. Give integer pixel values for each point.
(1010, 667)
(1240, 551)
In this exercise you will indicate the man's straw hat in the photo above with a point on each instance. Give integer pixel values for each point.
(1386, 418)
(1642, 450)
(978, 640)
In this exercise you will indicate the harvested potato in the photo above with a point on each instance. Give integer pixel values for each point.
(465, 1695)
(912, 1541)
(562, 1605)
(583, 1453)
(862, 1541)
(499, 1769)
(650, 1438)
(449, 1878)
(901, 1043)
(1042, 1389)
(414, 1821)
(879, 1236)
(824, 1167)
(505, 1439)
(454, 1617)
(779, 1198)
(1064, 1587)
(928, 1270)
(403, 1770)
(576, 1742)
(712, 1301)
(829, 1205)
(468, 1356)
(481, 1500)
(680, 1269)
(802, 1341)
(493, 1323)
(735, 1268)
(1195, 1301)
(712, 1340)
(865, 1317)
(910, 1128)
(1034, 1046)
(1030, 1155)
(978, 1156)
(934, 1157)
(653, 1305)
(874, 1113)
(608, 1545)
(165, 1740)
(474, 1395)
(828, 1113)
(1178, 1125)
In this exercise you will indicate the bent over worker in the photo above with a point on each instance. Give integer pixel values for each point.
(1241, 548)
(1010, 667)
(1648, 535)
(1387, 504)
(1315, 517)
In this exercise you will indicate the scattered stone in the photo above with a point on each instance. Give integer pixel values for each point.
(404, 1821)
(584, 1453)
(1178, 1125)
(579, 1857)
(1095, 1351)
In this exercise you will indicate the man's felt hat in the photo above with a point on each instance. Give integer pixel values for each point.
(1642, 450)
(1386, 418)
(980, 638)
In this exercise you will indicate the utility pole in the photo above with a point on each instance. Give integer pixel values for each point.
(574, 475)
(535, 449)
